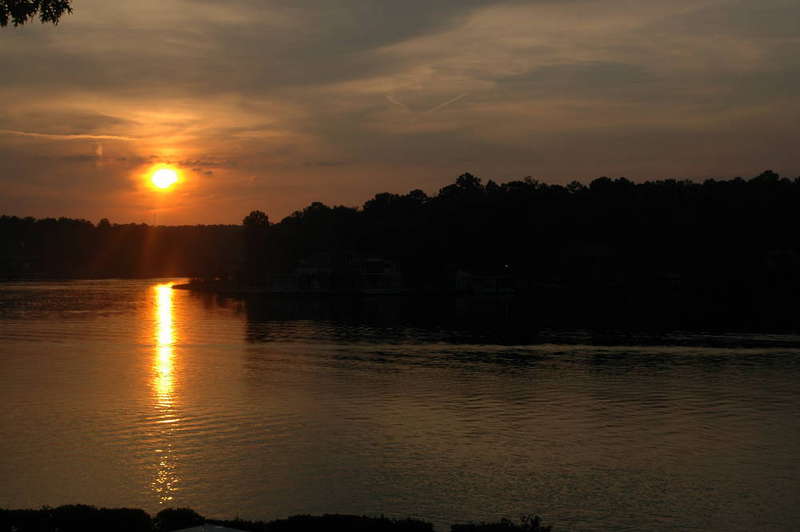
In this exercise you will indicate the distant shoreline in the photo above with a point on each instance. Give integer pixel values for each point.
(233, 289)
(606, 311)
(57, 279)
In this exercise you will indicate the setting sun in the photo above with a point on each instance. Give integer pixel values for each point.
(164, 178)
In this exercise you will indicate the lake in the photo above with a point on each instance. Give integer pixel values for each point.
(129, 393)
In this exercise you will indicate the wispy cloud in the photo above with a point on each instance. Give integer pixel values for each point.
(65, 136)
(445, 104)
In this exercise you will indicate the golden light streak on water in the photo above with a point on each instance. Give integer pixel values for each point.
(165, 483)
(165, 342)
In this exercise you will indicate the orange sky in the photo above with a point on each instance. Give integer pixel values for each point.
(274, 104)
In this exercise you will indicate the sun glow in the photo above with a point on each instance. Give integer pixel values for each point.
(164, 178)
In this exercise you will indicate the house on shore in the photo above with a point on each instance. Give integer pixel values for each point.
(324, 274)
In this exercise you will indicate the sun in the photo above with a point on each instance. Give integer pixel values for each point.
(164, 178)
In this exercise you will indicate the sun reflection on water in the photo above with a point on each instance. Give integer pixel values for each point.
(166, 480)
(165, 341)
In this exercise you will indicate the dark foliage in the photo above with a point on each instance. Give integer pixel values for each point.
(176, 519)
(76, 518)
(721, 253)
(667, 254)
(80, 518)
(19, 12)
(255, 227)
(331, 523)
(67, 248)
(554, 232)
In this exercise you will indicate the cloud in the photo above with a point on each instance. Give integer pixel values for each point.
(296, 100)
(210, 162)
(580, 77)
(770, 19)
(64, 136)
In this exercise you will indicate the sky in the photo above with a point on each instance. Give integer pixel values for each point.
(273, 104)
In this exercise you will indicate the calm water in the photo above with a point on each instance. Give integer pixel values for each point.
(128, 393)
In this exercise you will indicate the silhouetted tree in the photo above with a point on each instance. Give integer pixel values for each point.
(82, 518)
(678, 250)
(255, 226)
(177, 518)
(67, 248)
(681, 252)
(256, 220)
(19, 12)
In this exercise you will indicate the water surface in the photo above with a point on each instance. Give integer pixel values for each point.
(129, 393)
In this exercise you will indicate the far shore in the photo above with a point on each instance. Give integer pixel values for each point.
(233, 289)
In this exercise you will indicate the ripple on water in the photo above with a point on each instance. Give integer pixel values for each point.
(236, 412)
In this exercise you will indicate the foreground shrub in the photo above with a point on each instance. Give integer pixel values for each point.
(76, 518)
(176, 519)
(82, 518)
(330, 523)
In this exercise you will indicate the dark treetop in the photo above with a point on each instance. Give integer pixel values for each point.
(21, 11)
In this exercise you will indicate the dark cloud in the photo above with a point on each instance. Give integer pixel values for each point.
(208, 163)
(584, 78)
(740, 19)
(61, 122)
(81, 158)
(325, 164)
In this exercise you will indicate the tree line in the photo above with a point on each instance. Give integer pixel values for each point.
(68, 248)
(679, 251)
(716, 246)
(610, 231)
